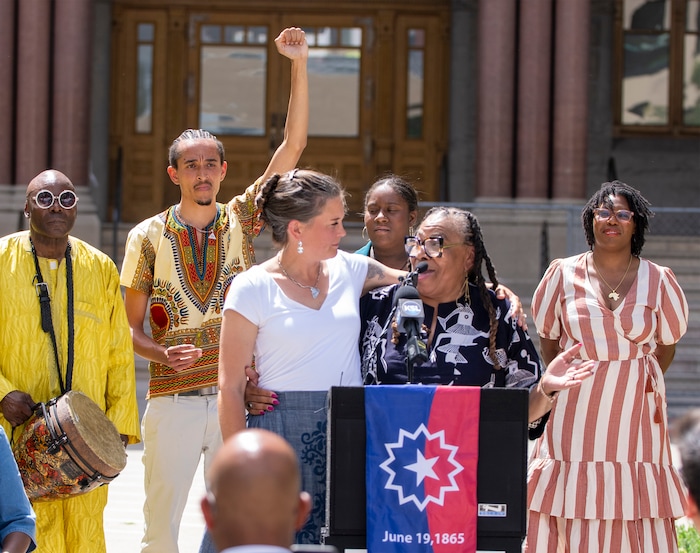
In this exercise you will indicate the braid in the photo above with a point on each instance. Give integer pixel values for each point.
(471, 231)
(476, 276)
(266, 190)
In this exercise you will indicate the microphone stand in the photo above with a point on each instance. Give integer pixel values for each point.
(410, 319)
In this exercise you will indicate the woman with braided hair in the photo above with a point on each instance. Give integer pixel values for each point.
(471, 337)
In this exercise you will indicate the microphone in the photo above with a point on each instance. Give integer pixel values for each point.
(412, 277)
(409, 319)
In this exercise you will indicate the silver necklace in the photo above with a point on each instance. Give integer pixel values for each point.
(313, 289)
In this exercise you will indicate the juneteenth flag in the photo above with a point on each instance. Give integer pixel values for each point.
(422, 452)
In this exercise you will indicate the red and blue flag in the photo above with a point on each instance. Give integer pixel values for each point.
(422, 453)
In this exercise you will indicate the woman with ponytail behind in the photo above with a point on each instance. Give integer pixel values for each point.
(298, 315)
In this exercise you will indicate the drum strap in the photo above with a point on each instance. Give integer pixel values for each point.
(42, 292)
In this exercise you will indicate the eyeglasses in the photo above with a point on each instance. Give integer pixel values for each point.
(432, 246)
(66, 199)
(622, 215)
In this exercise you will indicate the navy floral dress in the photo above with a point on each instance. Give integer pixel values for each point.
(459, 350)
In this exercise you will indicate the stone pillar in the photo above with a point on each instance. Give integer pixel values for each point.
(461, 157)
(570, 99)
(534, 82)
(496, 89)
(7, 85)
(33, 89)
(70, 136)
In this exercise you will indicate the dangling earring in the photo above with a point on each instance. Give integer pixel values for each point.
(300, 247)
(411, 231)
(467, 298)
(364, 231)
(26, 214)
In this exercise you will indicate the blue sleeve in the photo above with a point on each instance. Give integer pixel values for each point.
(364, 250)
(16, 513)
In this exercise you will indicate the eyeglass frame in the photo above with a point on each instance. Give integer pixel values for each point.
(421, 244)
(613, 213)
(55, 199)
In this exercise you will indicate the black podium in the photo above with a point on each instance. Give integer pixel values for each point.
(501, 470)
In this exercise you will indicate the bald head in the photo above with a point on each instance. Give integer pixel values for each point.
(47, 178)
(254, 492)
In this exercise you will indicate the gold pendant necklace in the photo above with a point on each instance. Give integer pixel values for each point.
(313, 289)
(613, 295)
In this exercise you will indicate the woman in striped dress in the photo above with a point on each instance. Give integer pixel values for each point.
(600, 477)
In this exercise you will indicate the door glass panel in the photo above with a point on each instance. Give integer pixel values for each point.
(691, 66)
(211, 34)
(334, 80)
(234, 34)
(648, 15)
(144, 81)
(415, 81)
(645, 80)
(257, 35)
(233, 79)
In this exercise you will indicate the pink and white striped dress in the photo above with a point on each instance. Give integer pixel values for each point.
(600, 478)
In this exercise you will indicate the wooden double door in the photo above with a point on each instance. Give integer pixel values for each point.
(377, 85)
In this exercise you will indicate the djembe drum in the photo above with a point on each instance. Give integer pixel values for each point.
(68, 447)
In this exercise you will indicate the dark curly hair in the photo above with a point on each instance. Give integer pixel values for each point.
(638, 204)
(468, 225)
(299, 194)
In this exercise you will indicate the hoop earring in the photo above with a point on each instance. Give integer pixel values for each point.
(300, 247)
(364, 232)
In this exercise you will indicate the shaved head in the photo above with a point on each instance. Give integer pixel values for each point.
(46, 178)
(254, 492)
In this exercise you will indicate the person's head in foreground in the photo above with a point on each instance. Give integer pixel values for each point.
(255, 492)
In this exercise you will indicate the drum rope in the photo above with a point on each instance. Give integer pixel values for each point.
(42, 292)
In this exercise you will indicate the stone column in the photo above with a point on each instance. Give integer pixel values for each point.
(496, 89)
(534, 83)
(33, 89)
(70, 137)
(570, 99)
(7, 85)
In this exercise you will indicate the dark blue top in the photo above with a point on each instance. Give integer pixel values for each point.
(459, 351)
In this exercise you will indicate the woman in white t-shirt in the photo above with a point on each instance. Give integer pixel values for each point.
(297, 314)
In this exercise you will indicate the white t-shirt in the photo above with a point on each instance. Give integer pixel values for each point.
(298, 348)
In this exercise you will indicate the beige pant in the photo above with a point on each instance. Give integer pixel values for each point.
(176, 432)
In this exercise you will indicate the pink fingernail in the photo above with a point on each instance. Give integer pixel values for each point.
(275, 402)
(270, 408)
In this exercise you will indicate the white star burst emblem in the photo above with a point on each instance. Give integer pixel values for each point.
(423, 468)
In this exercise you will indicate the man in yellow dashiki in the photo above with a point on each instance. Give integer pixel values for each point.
(177, 268)
(101, 348)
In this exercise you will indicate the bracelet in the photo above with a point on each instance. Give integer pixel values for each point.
(551, 397)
